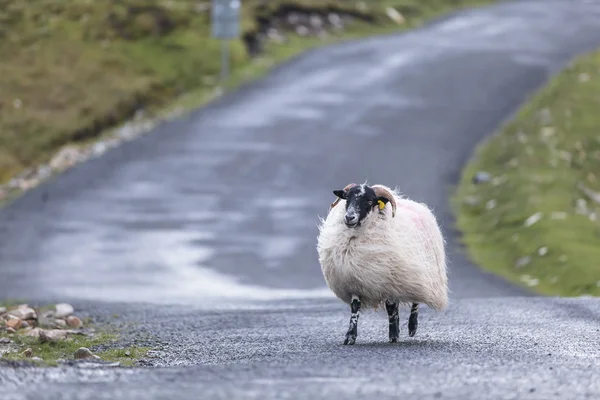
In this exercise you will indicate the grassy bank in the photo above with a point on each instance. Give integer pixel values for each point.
(71, 69)
(534, 218)
(39, 334)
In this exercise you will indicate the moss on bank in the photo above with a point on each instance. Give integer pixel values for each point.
(534, 218)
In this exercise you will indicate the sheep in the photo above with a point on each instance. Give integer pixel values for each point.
(379, 247)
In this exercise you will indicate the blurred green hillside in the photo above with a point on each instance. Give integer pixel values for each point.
(71, 69)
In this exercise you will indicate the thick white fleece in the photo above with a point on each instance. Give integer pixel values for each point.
(400, 259)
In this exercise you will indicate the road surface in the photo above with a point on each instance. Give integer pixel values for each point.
(204, 231)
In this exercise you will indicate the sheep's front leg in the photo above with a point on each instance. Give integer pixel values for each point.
(413, 320)
(353, 328)
(394, 320)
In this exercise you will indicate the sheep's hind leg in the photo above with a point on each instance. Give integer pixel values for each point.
(394, 320)
(353, 328)
(413, 320)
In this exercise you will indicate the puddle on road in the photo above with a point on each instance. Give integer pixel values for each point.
(156, 267)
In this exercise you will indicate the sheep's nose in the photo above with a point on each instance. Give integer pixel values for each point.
(350, 219)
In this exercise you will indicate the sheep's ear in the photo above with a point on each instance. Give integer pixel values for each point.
(341, 194)
(382, 201)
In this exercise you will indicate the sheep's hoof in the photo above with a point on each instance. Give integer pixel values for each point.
(393, 340)
(350, 340)
(412, 327)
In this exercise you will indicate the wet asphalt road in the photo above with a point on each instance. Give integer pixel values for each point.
(217, 211)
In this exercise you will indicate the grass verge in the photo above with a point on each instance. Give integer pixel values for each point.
(102, 340)
(73, 69)
(533, 216)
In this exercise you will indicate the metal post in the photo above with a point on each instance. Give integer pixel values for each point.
(225, 26)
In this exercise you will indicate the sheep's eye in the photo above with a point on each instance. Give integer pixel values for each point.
(370, 202)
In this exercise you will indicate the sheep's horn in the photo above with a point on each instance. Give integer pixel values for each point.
(384, 192)
(337, 200)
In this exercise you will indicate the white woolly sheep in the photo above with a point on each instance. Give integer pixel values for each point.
(371, 254)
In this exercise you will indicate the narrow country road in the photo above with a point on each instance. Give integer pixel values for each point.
(204, 231)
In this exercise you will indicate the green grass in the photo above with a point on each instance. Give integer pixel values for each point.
(543, 161)
(50, 353)
(73, 69)
(104, 341)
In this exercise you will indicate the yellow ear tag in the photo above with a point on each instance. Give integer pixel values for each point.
(381, 204)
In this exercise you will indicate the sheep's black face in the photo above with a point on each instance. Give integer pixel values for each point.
(360, 201)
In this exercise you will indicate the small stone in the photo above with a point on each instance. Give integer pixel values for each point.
(542, 251)
(533, 219)
(558, 215)
(335, 20)
(490, 204)
(481, 177)
(471, 201)
(581, 206)
(394, 15)
(139, 114)
(84, 353)
(529, 280)
(35, 333)
(60, 323)
(65, 157)
(545, 116)
(583, 77)
(24, 324)
(547, 131)
(63, 310)
(23, 312)
(5, 340)
(52, 336)
(44, 172)
(2, 310)
(74, 322)
(499, 180)
(36, 359)
(302, 30)
(523, 262)
(27, 353)
(99, 148)
(14, 322)
(315, 21)
(128, 353)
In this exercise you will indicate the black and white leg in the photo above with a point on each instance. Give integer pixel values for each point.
(353, 328)
(413, 320)
(394, 320)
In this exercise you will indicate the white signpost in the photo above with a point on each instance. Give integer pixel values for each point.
(225, 26)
